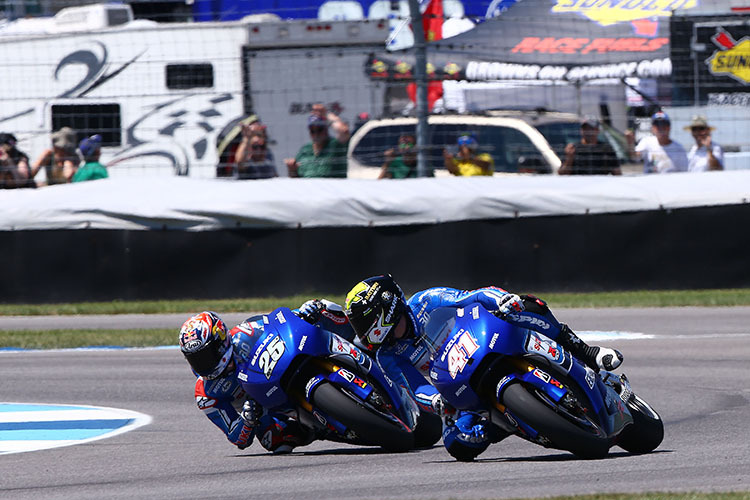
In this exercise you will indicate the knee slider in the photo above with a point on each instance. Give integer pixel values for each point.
(461, 439)
(278, 434)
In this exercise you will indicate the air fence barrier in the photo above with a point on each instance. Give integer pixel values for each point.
(186, 238)
(167, 96)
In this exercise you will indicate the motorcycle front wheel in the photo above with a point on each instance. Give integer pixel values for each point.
(526, 404)
(647, 430)
(367, 422)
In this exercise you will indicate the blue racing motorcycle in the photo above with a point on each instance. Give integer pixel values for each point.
(334, 387)
(532, 387)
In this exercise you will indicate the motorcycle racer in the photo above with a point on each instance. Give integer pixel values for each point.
(215, 354)
(391, 326)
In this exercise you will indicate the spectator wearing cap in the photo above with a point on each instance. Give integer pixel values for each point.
(467, 161)
(61, 161)
(589, 156)
(91, 148)
(14, 164)
(338, 126)
(705, 154)
(324, 156)
(660, 154)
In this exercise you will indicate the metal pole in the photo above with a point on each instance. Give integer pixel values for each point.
(420, 77)
(694, 54)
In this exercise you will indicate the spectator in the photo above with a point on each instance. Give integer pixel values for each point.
(91, 149)
(61, 161)
(404, 165)
(324, 156)
(252, 156)
(660, 154)
(14, 164)
(590, 157)
(229, 140)
(339, 127)
(705, 154)
(467, 161)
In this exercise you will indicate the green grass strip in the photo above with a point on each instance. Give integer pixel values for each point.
(65, 339)
(187, 306)
(644, 298)
(58, 339)
(740, 495)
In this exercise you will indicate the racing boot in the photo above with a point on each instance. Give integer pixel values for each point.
(595, 357)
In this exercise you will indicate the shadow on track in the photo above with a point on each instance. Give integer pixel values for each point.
(557, 457)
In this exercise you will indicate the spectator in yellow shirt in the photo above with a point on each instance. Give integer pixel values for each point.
(467, 161)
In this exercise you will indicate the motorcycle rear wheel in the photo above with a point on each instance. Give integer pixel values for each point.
(647, 430)
(562, 433)
(366, 422)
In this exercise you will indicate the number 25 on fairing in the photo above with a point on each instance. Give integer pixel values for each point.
(271, 356)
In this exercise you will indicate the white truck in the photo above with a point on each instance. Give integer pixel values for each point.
(161, 94)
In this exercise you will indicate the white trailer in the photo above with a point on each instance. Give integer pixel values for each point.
(160, 94)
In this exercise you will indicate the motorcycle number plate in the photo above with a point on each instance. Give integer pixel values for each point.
(272, 354)
(460, 353)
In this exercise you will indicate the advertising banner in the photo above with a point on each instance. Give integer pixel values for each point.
(711, 59)
(558, 40)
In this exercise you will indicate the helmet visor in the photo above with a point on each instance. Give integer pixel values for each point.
(210, 359)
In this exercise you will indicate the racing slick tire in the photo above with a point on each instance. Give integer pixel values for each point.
(647, 430)
(368, 423)
(591, 442)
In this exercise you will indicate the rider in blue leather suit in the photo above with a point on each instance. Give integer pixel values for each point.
(386, 323)
(215, 355)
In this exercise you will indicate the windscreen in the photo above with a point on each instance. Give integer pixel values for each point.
(438, 327)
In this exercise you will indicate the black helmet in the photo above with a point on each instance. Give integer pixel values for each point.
(374, 307)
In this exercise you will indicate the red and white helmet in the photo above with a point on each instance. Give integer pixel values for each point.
(205, 344)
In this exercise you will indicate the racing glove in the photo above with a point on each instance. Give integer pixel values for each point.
(310, 310)
(251, 413)
(509, 303)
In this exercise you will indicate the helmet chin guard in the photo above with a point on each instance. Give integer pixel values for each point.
(374, 307)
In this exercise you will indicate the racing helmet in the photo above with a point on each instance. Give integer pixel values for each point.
(374, 307)
(205, 344)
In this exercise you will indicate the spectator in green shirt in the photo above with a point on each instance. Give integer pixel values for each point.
(405, 164)
(90, 149)
(324, 156)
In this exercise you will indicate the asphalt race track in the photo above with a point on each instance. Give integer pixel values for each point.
(691, 364)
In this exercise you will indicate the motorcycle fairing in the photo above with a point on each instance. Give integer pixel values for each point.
(540, 345)
(339, 347)
(285, 337)
(344, 378)
(492, 335)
